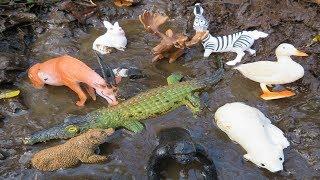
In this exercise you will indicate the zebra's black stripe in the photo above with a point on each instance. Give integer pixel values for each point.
(207, 38)
(227, 39)
(222, 42)
(237, 45)
(246, 36)
(239, 42)
(243, 39)
(209, 46)
(218, 43)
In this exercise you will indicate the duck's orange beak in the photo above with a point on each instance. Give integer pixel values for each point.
(300, 53)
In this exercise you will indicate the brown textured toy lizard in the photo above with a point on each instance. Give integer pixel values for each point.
(76, 150)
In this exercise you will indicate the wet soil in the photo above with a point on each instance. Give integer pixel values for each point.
(56, 31)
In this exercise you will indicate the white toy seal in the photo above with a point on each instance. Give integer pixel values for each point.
(250, 128)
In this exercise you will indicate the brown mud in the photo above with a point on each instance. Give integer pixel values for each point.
(52, 30)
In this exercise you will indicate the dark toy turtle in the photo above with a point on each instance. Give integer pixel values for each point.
(176, 144)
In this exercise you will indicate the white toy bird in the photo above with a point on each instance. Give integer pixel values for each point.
(238, 43)
(114, 38)
(249, 127)
(283, 71)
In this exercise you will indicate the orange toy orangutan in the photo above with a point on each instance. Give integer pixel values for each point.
(68, 71)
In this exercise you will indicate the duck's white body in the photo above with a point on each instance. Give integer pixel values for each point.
(249, 127)
(284, 71)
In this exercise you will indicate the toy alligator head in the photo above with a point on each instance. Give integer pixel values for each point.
(70, 128)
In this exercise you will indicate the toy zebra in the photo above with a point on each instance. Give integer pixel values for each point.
(200, 23)
(238, 43)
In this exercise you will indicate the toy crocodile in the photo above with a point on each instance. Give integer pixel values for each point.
(128, 114)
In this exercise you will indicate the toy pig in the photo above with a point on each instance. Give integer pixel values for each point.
(113, 38)
(68, 71)
(250, 128)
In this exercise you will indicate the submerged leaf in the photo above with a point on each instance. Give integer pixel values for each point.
(316, 38)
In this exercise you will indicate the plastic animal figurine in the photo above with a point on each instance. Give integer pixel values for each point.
(200, 23)
(78, 149)
(238, 43)
(177, 144)
(114, 76)
(114, 38)
(127, 3)
(129, 113)
(263, 142)
(171, 43)
(285, 70)
(68, 71)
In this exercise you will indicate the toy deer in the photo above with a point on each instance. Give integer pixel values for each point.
(68, 71)
(171, 43)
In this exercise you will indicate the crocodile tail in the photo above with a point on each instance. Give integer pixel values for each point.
(213, 79)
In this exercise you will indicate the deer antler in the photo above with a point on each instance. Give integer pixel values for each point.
(152, 21)
(198, 37)
(121, 3)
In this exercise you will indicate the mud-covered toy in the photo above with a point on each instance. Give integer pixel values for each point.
(177, 144)
(115, 37)
(249, 127)
(68, 71)
(78, 149)
(283, 71)
(130, 113)
(171, 43)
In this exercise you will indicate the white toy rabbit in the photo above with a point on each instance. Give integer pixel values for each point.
(113, 38)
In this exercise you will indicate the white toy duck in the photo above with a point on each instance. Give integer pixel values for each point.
(249, 127)
(114, 38)
(283, 71)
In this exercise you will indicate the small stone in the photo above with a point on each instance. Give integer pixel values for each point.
(2, 157)
(25, 158)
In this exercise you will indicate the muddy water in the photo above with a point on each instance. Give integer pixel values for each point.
(128, 153)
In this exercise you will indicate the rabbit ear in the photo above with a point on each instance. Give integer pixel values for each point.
(116, 24)
(107, 24)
